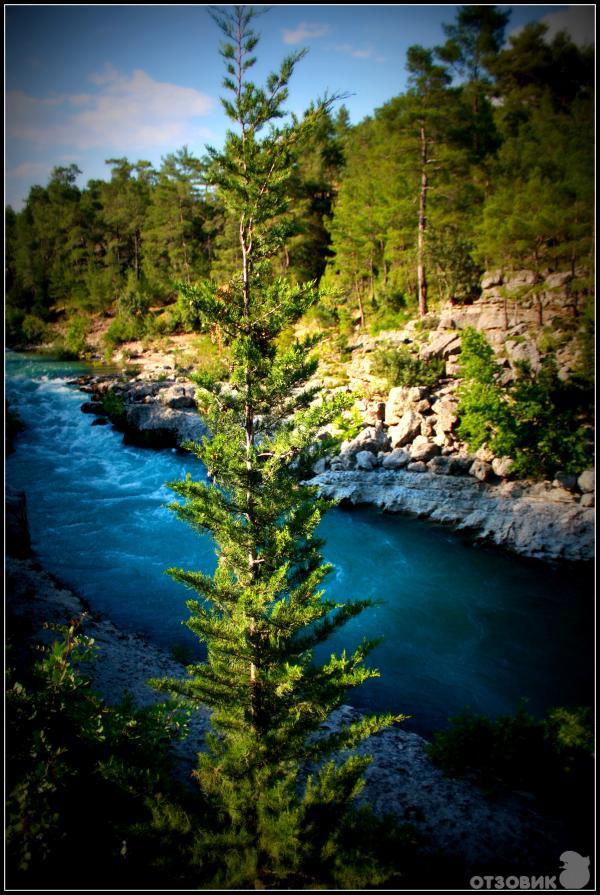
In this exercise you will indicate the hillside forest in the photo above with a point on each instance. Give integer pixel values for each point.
(485, 161)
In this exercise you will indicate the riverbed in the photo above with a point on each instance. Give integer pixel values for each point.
(463, 625)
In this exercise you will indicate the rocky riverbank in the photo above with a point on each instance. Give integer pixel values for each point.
(533, 521)
(408, 462)
(465, 830)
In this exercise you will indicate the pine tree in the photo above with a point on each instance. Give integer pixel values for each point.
(284, 811)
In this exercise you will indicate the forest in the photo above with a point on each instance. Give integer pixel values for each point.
(485, 161)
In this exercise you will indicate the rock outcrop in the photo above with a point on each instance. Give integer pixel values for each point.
(150, 414)
(521, 518)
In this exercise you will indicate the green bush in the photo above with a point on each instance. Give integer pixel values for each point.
(539, 420)
(123, 329)
(134, 298)
(113, 404)
(79, 771)
(546, 756)
(34, 329)
(75, 338)
(399, 366)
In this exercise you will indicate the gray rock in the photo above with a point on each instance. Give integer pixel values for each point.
(502, 466)
(442, 345)
(492, 278)
(406, 430)
(154, 425)
(178, 397)
(373, 438)
(365, 460)
(93, 407)
(587, 481)
(402, 398)
(484, 453)
(446, 415)
(417, 466)
(398, 459)
(343, 461)
(322, 465)
(440, 465)
(520, 278)
(481, 470)
(523, 351)
(565, 480)
(558, 280)
(459, 465)
(427, 426)
(424, 452)
(587, 500)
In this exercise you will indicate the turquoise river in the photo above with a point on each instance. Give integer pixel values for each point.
(463, 626)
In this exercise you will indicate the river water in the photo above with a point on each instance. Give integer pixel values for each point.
(463, 626)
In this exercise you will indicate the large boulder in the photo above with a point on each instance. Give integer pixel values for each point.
(406, 430)
(373, 438)
(492, 278)
(446, 411)
(154, 425)
(502, 466)
(366, 460)
(481, 470)
(398, 459)
(424, 451)
(178, 397)
(442, 345)
(586, 481)
(402, 398)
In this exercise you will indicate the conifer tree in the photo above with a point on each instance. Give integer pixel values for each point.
(284, 807)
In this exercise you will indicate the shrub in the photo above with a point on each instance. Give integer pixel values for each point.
(134, 298)
(34, 329)
(538, 420)
(401, 367)
(79, 771)
(123, 329)
(113, 404)
(75, 338)
(546, 756)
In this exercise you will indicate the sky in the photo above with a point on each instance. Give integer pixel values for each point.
(85, 83)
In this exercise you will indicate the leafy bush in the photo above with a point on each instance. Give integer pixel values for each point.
(401, 367)
(389, 320)
(113, 404)
(34, 329)
(538, 420)
(123, 329)
(75, 338)
(134, 298)
(79, 771)
(544, 756)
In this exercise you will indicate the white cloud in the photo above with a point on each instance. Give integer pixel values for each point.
(578, 21)
(304, 31)
(127, 111)
(366, 53)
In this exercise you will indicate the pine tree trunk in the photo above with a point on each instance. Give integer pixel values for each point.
(253, 679)
(421, 275)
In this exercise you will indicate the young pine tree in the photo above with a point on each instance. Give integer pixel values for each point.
(282, 813)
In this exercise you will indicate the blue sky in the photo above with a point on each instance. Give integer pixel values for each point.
(85, 83)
